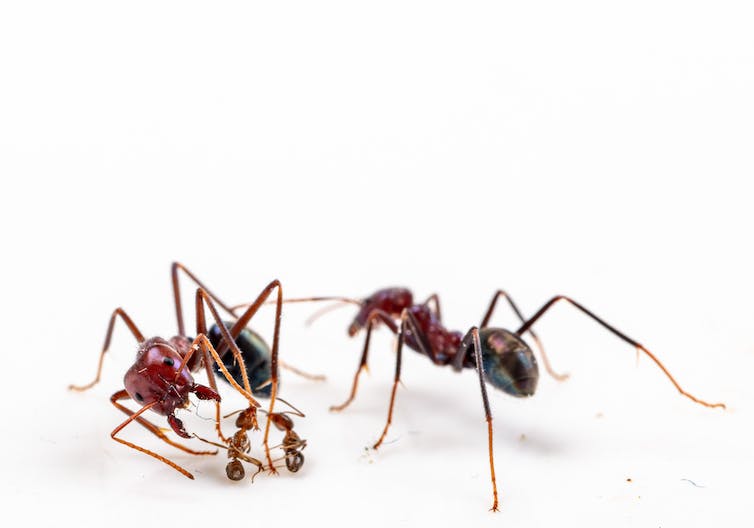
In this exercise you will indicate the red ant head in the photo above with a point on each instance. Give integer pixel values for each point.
(390, 300)
(157, 376)
(509, 363)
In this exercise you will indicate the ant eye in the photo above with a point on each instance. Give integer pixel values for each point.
(168, 361)
(139, 397)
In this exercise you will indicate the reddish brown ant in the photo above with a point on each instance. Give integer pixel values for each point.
(500, 357)
(161, 380)
(238, 446)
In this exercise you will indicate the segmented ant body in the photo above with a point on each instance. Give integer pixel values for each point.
(501, 357)
(292, 444)
(160, 379)
(238, 446)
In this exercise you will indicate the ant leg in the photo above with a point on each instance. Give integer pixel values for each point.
(407, 320)
(161, 458)
(203, 344)
(373, 316)
(228, 341)
(241, 323)
(253, 461)
(619, 334)
(338, 303)
(134, 330)
(434, 298)
(472, 338)
(152, 428)
(174, 269)
(488, 315)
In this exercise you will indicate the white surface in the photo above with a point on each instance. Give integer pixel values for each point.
(579, 148)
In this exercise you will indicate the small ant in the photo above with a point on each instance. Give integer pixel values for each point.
(161, 380)
(501, 357)
(239, 445)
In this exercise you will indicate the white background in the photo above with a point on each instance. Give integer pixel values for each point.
(587, 148)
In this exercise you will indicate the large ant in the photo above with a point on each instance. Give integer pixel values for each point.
(501, 357)
(160, 379)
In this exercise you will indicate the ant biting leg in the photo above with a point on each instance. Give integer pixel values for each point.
(619, 334)
(175, 268)
(373, 317)
(118, 312)
(488, 315)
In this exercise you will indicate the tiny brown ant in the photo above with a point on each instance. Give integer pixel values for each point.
(161, 379)
(238, 446)
(501, 357)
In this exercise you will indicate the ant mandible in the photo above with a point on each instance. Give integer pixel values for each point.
(501, 357)
(161, 379)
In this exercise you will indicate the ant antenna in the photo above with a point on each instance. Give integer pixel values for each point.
(323, 311)
(348, 300)
(234, 413)
(295, 410)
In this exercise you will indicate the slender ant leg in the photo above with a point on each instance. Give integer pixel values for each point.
(488, 315)
(373, 316)
(472, 338)
(149, 426)
(408, 322)
(435, 299)
(619, 334)
(241, 323)
(161, 458)
(207, 350)
(118, 312)
(231, 310)
(175, 268)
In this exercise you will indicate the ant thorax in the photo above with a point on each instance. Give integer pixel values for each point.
(389, 300)
(443, 343)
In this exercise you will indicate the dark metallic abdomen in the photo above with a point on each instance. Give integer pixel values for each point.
(256, 356)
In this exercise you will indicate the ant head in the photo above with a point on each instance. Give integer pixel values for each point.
(509, 363)
(157, 376)
(247, 419)
(390, 300)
